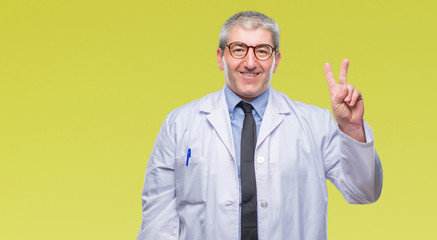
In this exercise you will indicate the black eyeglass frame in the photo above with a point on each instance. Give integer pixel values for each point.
(254, 47)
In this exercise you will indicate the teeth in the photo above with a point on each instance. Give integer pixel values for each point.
(250, 74)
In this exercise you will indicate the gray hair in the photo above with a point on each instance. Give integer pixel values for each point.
(249, 20)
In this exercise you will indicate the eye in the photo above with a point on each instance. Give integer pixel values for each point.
(263, 50)
(238, 47)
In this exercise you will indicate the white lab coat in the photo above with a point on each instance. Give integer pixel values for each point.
(299, 146)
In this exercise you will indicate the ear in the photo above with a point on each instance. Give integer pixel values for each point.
(220, 59)
(278, 57)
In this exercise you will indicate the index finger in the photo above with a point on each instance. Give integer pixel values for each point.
(329, 76)
(343, 72)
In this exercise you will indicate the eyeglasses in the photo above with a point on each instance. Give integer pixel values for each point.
(239, 50)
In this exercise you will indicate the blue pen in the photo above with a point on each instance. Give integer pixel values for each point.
(188, 156)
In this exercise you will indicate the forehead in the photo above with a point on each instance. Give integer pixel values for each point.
(250, 37)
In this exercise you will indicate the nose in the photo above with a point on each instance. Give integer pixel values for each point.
(250, 61)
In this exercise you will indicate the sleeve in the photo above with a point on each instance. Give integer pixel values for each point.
(353, 167)
(160, 219)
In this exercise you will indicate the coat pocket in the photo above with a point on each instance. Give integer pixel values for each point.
(191, 181)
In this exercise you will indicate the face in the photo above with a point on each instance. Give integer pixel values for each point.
(248, 77)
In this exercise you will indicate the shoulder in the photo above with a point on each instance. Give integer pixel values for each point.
(187, 111)
(297, 108)
(313, 119)
(309, 110)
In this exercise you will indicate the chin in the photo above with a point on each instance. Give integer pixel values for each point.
(250, 94)
(253, 91)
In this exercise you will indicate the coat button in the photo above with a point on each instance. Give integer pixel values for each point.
(264, 204)
(260, 159)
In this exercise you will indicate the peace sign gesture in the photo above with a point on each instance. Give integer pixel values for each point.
(347, 103)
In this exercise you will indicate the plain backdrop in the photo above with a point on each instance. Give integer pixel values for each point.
(86, 84)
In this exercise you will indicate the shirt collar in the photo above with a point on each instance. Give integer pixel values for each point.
(259, 103)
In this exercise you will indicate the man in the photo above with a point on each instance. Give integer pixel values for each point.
(247, 162)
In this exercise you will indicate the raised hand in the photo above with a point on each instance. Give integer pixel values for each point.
(347, 103)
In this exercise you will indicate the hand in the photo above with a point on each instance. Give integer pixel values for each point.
(347, 103)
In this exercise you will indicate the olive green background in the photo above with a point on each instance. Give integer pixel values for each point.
(85, 86)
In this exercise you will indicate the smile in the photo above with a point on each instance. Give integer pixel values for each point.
(249, 74)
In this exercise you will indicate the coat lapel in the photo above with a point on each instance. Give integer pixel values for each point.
(217, 114)
(276, 108)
